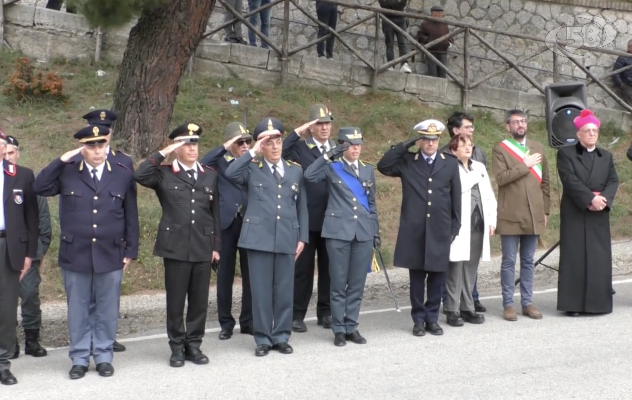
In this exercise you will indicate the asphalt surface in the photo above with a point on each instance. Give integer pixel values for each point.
(555, 358)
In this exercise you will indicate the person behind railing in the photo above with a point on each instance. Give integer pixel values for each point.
(327, 13)
(623, 80)
(264, 16)
(390, 34)
(478, 223)
(429, 31)
(56, 5)
(232, 33)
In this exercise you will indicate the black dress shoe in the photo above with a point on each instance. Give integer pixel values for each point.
(418, 330)
(262, 350)
(472, 317)
(34, 349)
(434, 329)
(454, 319)
(283, 348)
(177, 358)
(117, 347)
(356, 338)
(325, 322)
(246, 330)
(196, 356)
(105, 369)
(78, 371)
(16, 354)
(299, 326)
(339, 339)
(478, 307)
(7, 378)
(572, 314)
(225, 334)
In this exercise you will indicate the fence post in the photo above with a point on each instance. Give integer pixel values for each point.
(97, 51)
(1, 24)
(556, 76)
(376, 52)
(284, 44)
(465, 98)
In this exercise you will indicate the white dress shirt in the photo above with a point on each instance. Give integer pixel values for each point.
(357, 171)
(319, 145)
(433, 157)
(187, 169)
(99, 170)
(279, 168)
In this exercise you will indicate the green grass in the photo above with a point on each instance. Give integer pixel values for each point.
(45, 132)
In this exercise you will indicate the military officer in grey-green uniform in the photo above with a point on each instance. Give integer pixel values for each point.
(274, 232)
(350, 228)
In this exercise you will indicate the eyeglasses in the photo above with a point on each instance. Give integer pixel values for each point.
(468, 128)
(518, 122)
(241, 142)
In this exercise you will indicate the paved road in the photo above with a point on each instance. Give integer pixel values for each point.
(555, 358)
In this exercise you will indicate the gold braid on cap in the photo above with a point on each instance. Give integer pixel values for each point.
(192, 128)
(102, 115)
(270, 126)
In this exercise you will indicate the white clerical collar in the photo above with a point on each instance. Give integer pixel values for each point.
(591, 149)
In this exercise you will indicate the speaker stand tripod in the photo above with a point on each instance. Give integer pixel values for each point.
(539, 260)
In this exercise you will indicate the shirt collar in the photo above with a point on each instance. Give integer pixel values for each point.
(319, 144)
(350, 162)
(185, 168)
(425, 156)
(98, 167)
(279, 164)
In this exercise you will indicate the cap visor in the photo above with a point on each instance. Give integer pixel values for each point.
(90, 142)
(430, 137)
(325, 119)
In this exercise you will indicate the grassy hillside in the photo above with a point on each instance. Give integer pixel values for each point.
(45, 132)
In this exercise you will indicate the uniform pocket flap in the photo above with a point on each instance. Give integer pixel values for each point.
(334, 213)
(168, 226)
(66, 237)
(260, 184)
(71, 192)
(118, 195)
(253, 220)
(295, 224)
(208, 230)
(119, 240)
(24, 238)
(175, 186)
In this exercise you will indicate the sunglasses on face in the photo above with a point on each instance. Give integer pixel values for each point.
(242, 142)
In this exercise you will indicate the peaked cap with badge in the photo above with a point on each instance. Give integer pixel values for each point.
(100, 117)
(268, 125)
(188, 132)
(430, 129)
(236, 129)
(92, 135)
(321, 113)
(12, 140)
(351, 135)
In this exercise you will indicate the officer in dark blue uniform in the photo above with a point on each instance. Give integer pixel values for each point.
(106, 118)
(98, 240)
(233, 199)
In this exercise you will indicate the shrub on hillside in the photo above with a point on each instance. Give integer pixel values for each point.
(27, 84)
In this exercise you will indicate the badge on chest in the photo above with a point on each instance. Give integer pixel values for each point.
(18, 196)
(209, 191)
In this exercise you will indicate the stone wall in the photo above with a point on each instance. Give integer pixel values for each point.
(46, 34)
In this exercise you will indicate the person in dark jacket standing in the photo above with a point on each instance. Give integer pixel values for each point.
(623, 80)
(327, 14)
(390, 34)
(233, 200)
(432, 30)
(305, 152)
(99, 236)
(188, 237)
(275, 231)
(18, 247)
(29, 286)
(429, 220)
(351, 229)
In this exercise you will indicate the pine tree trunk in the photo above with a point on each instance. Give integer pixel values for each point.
(156, 56)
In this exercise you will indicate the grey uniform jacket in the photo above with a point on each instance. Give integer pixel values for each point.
(276, 218)
(346, 218)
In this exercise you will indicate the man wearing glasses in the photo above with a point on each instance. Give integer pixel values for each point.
(232, 204)
(522, 174)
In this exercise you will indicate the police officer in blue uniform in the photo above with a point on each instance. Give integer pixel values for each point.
(274, 233)
(233, 199)
(98, 240)
(188, 237)
(305, 152)
(351, 228)
(106, 118)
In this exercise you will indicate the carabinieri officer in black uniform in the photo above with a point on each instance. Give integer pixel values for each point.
(99, 238)
(188, 237)
(233, 199)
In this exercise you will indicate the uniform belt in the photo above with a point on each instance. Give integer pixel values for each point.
(3, 234)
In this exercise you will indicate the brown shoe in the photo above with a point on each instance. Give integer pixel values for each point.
(510, 314)
(531, 312)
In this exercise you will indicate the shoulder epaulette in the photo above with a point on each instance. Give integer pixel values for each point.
(228, 157)
(124, 166)
(208, 167)
(364, 163)
(293, 163)
(124, 153)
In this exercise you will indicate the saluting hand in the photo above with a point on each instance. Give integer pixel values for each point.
(303, 128)
(169, 149)
(230, 142)
(27, 265)
(299, 249)
(70, 154)
(263, 137)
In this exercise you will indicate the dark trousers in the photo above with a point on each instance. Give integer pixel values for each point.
(188, 281)
(429, 311)
(389, 38)
(348, 265)
(9, 293)
(272, 285)
(56, 5)
(304, 278)
(226, 277)
(433, 68)
(327, 14)
(30, 300)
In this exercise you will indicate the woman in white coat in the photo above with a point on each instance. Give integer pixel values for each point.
(478, 223)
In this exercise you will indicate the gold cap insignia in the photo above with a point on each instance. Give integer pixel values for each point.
(355, 135)
(192, 128)
(242, 129)
(432, 128)
(270, 126)
(95, 130)
(102, 115)
(322, 113)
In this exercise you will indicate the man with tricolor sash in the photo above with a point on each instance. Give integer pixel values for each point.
(521, 171)
(350, 228)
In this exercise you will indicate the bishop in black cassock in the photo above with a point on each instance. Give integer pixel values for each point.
(590, 182)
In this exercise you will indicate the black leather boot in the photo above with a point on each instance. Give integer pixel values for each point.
(32, 346)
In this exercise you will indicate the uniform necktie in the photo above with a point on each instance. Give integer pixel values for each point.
(323, 149)
(95, 177)
(276, 173)
(191, 173)
(355, 169)
(429, 160)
